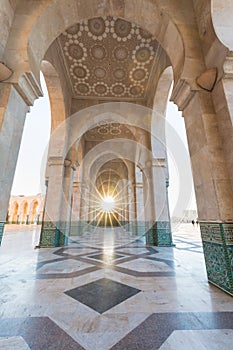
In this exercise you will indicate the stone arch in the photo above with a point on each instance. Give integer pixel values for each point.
(160, 102)
(104, 171)
(84, 120)
(56, 98)
(103, 150)
(221, 12)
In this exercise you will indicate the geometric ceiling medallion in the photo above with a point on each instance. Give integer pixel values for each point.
(118, 89)
(136, 90)
(109, 57)
(143, 53)
(121, 53)
(119, 73)
(101, 89)
(80, 72)
(123, 30)
(96, 28)
(75, 51)
(98, 52)
(138, 74)
(207, 79)
(100, 72)
(82, 88)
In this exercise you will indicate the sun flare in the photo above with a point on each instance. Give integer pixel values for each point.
(109, 204)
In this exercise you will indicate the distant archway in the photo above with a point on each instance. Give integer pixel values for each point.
(14, 219)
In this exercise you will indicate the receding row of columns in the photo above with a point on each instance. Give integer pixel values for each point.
(210, 159)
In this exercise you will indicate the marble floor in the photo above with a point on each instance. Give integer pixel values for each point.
(106, 290)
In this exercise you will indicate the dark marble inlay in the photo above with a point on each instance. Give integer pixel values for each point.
(103, 294)
(105, 257)
(40, 333)
(68, 274)
(155, 330)
(102, 261)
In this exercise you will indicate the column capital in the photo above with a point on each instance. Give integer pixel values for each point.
(71, 164)
(75, 165)
(182, 94)
(228, 68)
(28, 88)
(159, 162)
(55, 160)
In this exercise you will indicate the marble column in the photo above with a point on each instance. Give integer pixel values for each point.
(75, 215)
(213, 187)
(140, 210)
(132, 208)
(83, 208)
(223, 104)
(124, 218)
(52, 234)
(66, 210)
(13, 110)
(162, 226)
(149, 209)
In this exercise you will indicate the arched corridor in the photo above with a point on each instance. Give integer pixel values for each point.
(110, 68)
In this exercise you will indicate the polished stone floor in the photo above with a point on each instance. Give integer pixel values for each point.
(107, 290)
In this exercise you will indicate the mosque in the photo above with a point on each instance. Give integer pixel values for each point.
(107, 271)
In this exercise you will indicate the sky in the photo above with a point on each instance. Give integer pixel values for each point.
(27, 180)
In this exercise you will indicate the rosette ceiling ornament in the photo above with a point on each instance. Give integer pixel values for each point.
(108, 57)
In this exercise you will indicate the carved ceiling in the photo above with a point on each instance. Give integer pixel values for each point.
(108, 130)
(108, 57)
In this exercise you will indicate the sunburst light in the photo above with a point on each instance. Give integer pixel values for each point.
(108, 204)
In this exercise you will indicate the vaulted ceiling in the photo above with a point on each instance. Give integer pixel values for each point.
(108, 130)
(108, 57)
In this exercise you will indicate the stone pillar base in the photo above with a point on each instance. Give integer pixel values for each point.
(217, 239)
(159, 234)
(2, 224)
(51, 236)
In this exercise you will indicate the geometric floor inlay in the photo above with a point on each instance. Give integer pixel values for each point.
(13, 343)
(144, 265)
(106, 257)
(217, 339)
(161, 329)
(103, 294)
(68, 267)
